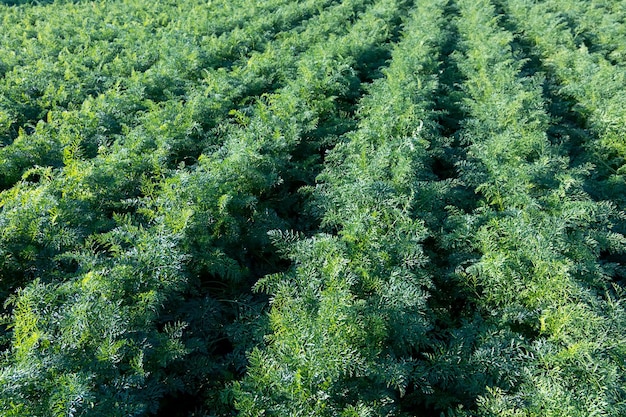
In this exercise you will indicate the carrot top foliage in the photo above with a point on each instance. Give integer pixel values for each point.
(312, 208)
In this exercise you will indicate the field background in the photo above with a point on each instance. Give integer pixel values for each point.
(313, 208)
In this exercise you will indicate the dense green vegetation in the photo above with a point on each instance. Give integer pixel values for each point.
(312, 208)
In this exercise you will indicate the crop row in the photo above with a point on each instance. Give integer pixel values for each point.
(357, 207)
(197, 228)
(92, 105)
(595, 86)
(544, 317)
(598, 24)
(169, 133)
(352, 307)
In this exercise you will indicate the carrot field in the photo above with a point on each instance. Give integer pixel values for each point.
(350, 208)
